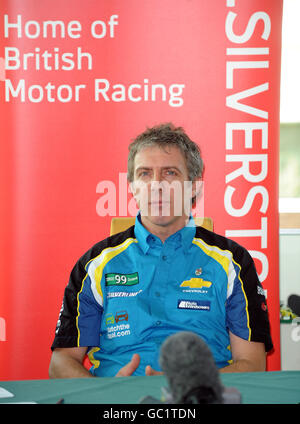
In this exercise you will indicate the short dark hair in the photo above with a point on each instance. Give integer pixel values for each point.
(167, 135)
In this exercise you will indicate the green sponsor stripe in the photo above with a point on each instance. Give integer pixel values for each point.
(114, 279)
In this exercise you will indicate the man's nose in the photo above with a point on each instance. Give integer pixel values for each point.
(158, 181)
(157, 176)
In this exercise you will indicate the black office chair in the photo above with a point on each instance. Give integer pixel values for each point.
(294, 304)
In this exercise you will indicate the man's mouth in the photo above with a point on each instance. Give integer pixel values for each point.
(159, 202)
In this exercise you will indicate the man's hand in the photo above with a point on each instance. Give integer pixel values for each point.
(150, 371)
(129, 368)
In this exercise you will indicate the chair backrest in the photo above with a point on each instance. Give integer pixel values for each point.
(119, 224)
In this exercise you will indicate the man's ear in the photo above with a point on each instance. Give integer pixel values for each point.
(197, 188)
(133, 205)
(131, 188)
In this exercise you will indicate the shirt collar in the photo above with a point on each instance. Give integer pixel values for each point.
(147, 240)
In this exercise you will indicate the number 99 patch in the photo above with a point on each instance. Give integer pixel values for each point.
(115, 279)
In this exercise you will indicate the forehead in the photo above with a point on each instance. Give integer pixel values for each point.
(160, 156)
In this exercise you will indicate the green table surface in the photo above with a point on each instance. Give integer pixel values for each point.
(280, 387)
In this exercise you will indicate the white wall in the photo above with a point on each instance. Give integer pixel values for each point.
(289, 262)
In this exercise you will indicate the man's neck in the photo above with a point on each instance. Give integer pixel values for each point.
(166, 230)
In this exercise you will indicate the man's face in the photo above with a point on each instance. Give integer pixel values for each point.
(161, 187)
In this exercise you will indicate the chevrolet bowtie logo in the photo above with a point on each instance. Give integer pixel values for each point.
(195, 283)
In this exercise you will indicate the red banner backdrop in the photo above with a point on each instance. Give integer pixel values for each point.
(77, 84)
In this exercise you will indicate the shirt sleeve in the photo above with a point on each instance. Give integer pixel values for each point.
(246, 306)
(79, 320)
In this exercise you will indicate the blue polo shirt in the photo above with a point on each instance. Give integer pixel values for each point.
(130, 292)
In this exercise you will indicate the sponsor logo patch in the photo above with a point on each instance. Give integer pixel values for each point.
(123, 294)
(196, 283)
(119, 330)
(261, 291)
(200, 305)
(115, 327)
(112, 279)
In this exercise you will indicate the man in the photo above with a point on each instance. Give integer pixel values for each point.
(163, 275)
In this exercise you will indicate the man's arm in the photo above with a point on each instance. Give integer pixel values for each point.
(247, 356)
(67, 363)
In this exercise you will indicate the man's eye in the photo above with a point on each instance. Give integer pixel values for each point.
(170, 172)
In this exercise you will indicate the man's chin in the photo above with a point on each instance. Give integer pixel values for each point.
(161, 220)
